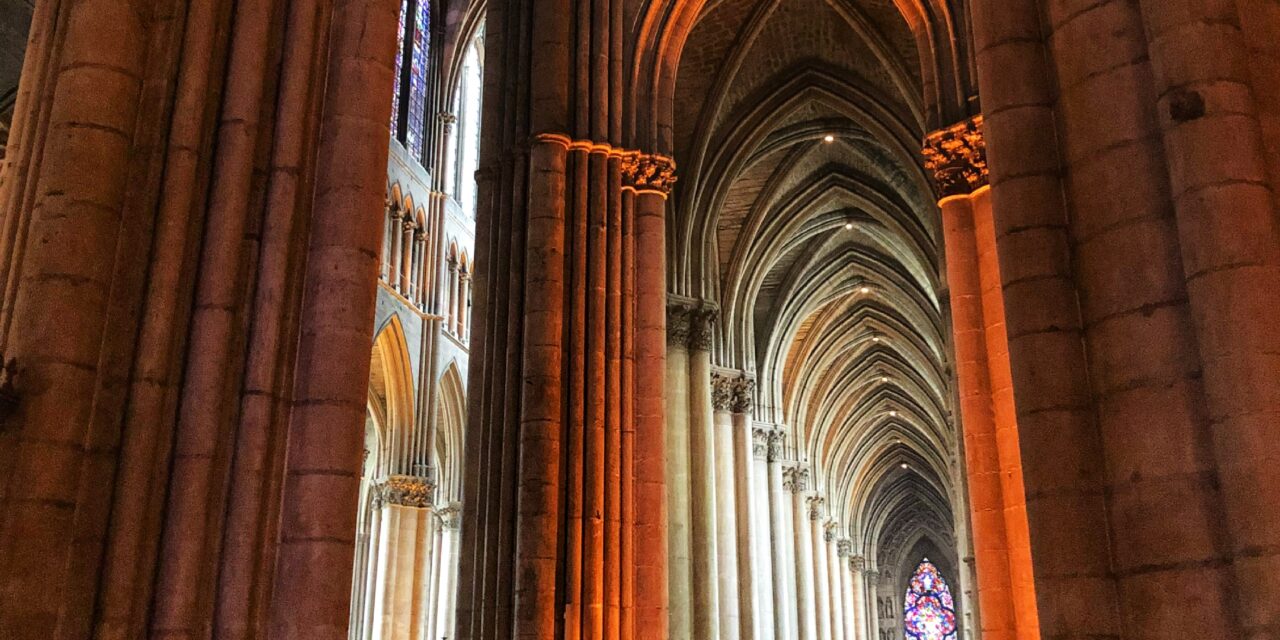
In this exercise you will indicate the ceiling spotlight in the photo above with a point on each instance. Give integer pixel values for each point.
(905, 466)
(866, 289)
(893, 414)
(848, 225)
(828, 138)
(884, 379)
(876, 339)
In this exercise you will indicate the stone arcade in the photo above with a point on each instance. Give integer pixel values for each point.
(640, 319)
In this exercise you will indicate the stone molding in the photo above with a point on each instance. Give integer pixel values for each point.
(957, 158)
(404, 491)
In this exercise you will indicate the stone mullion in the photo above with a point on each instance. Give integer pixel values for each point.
(1227, 225)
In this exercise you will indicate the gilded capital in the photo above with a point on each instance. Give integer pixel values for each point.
(957, 158)
(649, 172)
(405, 491)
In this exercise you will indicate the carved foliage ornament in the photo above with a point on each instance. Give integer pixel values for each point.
(795, 479)
(721, 392)
(760, 443)
(957, 158)
(743, 390)
(649, 172)
(405, 491)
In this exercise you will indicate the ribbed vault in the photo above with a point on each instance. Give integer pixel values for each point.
(804, 214)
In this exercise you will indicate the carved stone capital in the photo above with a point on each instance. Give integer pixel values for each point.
(957, 158)
(678, 325)
(701, 328)
(858, 563)
(844, 548)
(829, 532)
(795, 479)
(760, 443)
(743, 390)
(816, 508)
(721, 392)
(649, 172)
(406, 491)
(450, 516)
(872, 574)
(775, 446)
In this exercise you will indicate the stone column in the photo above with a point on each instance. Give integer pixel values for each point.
(704, 554)
(873, 601)
(397, 245)
(821, 577)
(405, 276)
(780, 541)
(679, 561)
(726, 500)
(835, 596)
(761, 535)
(447, 589)
(861, 614)
(848, 618)
(803, 566)
(744, 510)
(464, 300)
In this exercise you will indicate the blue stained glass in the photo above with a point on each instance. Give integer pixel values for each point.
(929, 612)
(415, 135)
(395, 97)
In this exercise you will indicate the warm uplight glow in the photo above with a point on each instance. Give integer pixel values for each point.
(829, 138)
(866, 289)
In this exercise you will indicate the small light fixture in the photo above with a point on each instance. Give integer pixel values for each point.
(866, 289)
(876, 339)
(893, 413)
(884, 379)
(848, 226)
(905, 466)
(828, 138)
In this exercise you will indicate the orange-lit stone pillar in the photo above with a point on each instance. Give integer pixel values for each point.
(1006, 590)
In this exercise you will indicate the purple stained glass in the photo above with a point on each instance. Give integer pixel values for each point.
(415, 133)
(929, 612)
(395, 97)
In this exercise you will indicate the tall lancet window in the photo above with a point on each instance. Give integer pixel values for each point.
(408, 113)
(929, 612)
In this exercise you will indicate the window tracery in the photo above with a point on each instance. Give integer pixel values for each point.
(929, 611)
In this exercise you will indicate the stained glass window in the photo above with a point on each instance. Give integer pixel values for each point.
(395, 97)
(415, 135)
(929, 612)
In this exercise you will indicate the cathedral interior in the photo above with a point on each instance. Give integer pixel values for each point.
(640, 319)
